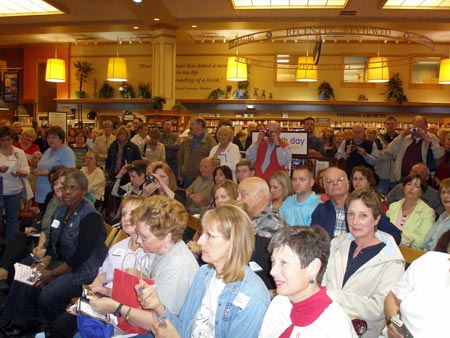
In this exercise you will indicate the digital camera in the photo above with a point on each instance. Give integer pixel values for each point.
(354, 148)
(268, 133)
(414, 130)
(149, 179)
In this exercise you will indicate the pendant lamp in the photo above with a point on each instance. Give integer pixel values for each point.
(56, 69)
(236, 69)
(444, 71)
(378, 70)
(306, 70)
(117, 68)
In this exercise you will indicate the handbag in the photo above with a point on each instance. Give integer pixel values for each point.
(26, 193)
(123, 291)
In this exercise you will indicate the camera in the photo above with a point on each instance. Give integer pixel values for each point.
(268, 133)
(414, 130)
(149, 179)
(354, 148)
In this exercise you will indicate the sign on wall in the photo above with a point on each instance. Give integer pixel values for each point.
(297, 140)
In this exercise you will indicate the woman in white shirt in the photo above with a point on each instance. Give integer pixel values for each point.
(225, 151)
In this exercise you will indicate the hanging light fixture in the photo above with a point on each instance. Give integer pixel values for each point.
(306, 69)
(56, 69)
(378, 70)
(236, 68)
(444, 71)
(117, 68)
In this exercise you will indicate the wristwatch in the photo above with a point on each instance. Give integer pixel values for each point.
(393, 317)
(117, 312)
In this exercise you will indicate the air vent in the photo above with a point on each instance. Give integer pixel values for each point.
(347, 13)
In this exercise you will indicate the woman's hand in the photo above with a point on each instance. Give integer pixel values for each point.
(3, 168)
(149, 189)
(20, 173)
(30, 231)
(123, 170)
(147, 296)
(392, 332)
(167, 331)
(39, 252)
(103, 305)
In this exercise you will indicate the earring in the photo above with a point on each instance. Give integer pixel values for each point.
(311, 281)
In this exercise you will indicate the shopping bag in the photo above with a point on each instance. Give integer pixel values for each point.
(123, 291)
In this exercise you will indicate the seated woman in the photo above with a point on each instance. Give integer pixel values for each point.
(96, 178)
(226, 299)
(222, 173)
(66, 324)
(136, 170)
(412, 215)
(280, 188)
(22, 243)
(364, 264)
(160, 223)
(164, 182)
(76, 252)
(362, 178)
(302, 307)
(443, 223)
(224, 191)
(420, 298)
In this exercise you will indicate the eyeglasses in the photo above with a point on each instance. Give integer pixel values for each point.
(335, 182)
(142, 237)
(208, 236)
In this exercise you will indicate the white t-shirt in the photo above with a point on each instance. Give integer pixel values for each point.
(332, 323)
(204, 324)
(424, 291)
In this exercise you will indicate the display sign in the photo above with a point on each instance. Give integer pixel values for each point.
(297, 140)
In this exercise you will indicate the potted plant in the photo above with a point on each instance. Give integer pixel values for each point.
(127, 91)
(395, 89)
(325, 91)
(158, 102)
(242, 91)
(144, 91)
(216, 94)
(82, 71)
(106, 91)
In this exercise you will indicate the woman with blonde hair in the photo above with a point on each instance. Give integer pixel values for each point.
(226, 299)
(224, 191)
(26, 142)
(226, 151)
(280, 188)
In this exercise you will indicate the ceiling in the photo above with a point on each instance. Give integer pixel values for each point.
(99, 21)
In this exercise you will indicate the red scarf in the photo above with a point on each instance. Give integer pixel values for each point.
(304, 313)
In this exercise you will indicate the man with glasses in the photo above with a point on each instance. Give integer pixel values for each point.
(331, 214)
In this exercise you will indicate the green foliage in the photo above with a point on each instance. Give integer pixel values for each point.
(216, 94)
(127, 91)
(106, 91)
(82, 71)
(394, 90)
(158, 102)
(144, 90)
(325, 90)
(179, 107)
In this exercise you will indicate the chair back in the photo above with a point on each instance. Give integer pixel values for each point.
(410, 254)
(121, 235)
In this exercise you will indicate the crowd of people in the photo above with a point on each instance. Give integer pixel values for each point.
(282, 252)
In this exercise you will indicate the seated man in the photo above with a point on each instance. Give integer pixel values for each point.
(331, 214)
(244, 169)
(298, 208)
(200, 191)
(254, 191)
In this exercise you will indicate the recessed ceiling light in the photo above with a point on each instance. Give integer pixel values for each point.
(137, 1)
(27, 7)
(155, 19)
(283, 4)
(422, 4)
(136, 27)
(194, 26)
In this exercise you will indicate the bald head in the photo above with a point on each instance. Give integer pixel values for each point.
(256, 193)
(422, 170)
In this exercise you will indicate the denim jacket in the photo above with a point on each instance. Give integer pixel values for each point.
(64, 238)
(231, 320)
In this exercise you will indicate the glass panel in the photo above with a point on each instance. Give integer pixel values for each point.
(425, 70)
(355, 69)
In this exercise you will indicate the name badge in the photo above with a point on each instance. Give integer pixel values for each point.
(55, 224)
(255, 266)
(241, 301)
(118, 252)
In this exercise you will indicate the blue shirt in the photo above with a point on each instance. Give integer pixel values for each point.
(299, 213)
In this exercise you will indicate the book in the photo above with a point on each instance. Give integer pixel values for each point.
(26, 274)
